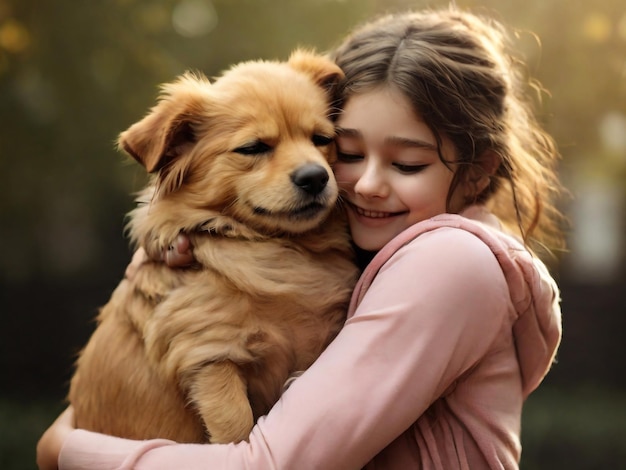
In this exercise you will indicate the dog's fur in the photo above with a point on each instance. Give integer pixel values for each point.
(243, 165)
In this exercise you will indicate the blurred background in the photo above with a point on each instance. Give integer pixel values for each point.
(73, 74)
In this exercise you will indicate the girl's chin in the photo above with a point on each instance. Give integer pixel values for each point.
(370, 243)
(371, 238)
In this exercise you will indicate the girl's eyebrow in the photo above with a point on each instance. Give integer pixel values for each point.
(342, 131)
(405, 142)
(392, 140)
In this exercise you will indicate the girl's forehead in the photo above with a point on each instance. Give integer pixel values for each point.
(385, 98)
(385, 107)
(385, 117)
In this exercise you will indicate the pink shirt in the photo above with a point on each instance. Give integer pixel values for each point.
(451, 326)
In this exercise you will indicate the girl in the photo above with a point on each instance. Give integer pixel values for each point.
(447, 180)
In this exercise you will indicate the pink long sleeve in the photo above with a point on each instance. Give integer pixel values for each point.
(430, 316)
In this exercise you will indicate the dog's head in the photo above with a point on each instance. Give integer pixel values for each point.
(256, 145)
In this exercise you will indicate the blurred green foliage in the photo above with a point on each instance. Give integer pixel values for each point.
(73, 74)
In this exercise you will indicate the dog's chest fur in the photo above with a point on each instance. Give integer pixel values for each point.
(267, 306)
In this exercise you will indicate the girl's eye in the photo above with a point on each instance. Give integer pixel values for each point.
(348, 157)
(321, 140)
(409, 169)
(253, 148)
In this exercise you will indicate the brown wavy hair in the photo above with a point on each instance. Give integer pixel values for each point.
(461, 76)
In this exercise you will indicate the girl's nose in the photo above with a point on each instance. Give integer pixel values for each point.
(372, 182)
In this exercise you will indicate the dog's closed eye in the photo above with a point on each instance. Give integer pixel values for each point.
(321, 140)
(254, 148)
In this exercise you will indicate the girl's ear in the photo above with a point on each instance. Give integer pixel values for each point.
(167, 130)
(480, 174)
(490, 161)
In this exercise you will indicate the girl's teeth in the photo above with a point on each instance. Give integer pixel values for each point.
(372, 214)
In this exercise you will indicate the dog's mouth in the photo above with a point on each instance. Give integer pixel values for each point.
(304, 212)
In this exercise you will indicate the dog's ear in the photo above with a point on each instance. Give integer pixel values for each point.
(167, 130)
(323, 70)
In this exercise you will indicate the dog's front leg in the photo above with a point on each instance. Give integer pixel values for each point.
(219, 392)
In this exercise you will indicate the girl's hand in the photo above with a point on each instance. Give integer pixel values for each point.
(50, 443)
(180, 253)
(177, 255)
(139, 258)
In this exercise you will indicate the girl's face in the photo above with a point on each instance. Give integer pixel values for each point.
(388, 167)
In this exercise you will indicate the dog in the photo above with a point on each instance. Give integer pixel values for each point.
(242, 165)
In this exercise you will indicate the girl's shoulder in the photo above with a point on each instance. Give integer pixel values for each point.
(449, 247)
(455, 236)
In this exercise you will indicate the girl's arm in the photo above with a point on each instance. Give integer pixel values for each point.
(431, 313)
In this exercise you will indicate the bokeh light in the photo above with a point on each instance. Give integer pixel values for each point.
(14, 37)
(194, 18)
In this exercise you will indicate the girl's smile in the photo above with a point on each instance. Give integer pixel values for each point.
(373, 218)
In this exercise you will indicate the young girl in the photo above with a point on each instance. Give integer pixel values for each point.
(447, 180)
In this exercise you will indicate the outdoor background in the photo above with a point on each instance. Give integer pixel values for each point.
(74, 73)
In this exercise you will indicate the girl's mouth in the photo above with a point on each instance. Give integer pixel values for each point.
(373, 214)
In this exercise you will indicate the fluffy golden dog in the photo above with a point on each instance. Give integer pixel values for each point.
(242, 164)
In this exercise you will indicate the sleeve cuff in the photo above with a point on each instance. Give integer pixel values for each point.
(88, 450)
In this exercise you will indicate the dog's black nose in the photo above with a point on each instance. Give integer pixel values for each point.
(311, 177)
